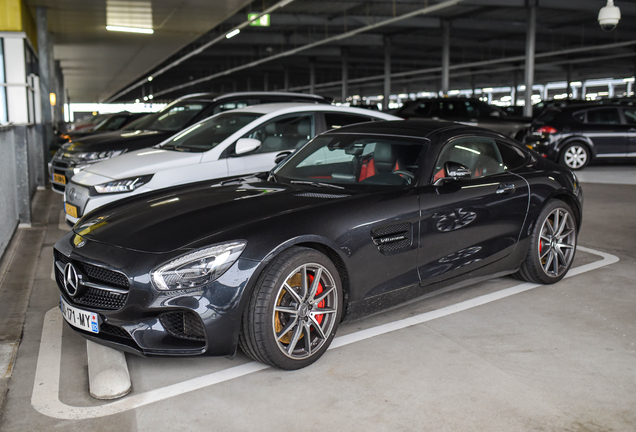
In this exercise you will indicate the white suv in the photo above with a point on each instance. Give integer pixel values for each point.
(237, 142)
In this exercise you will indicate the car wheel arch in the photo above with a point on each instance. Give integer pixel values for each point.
(577, 140)
(320, 244)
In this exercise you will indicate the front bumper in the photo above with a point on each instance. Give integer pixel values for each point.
(136, 317)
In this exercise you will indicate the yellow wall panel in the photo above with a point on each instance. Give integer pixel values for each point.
(11, 15)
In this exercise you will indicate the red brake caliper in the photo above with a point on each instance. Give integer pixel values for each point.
(321, 305)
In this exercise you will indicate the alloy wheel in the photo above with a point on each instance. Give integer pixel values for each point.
(557, 242)
(575, 157)
(305, 311)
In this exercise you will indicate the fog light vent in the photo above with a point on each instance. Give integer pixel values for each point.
(183, 325)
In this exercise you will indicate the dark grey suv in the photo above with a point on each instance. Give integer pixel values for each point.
(576, 135)
(471, 112)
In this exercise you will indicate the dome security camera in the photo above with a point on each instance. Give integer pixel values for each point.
(609, 16)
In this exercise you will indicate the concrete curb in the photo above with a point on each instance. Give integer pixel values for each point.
(108, 376)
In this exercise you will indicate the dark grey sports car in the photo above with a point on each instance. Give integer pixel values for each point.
(360, 219)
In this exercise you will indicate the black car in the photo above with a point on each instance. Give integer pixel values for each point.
(360, 219)
(111, 123)
(471, 112)
(155, 128)
(576, 135)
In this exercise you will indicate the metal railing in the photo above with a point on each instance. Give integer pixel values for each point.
(22, 171)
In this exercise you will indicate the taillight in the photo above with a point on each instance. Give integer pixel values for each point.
(546, 130)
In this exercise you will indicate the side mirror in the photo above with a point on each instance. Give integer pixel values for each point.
(454, 171)
(280, 157)
(246, 145)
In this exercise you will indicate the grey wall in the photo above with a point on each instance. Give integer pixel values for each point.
(22, 170)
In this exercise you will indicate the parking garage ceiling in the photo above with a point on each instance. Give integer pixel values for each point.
(488, 40)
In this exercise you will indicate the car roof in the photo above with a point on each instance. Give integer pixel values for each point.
(588, 105)
(292, 107)
(410, 128)
(215, 97)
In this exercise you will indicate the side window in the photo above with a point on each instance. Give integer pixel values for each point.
(630, 115)
(286, 133)
(453, 109)
(580, 116)
(603, 116)
(479, 154)
(472, 109)
(337, 120)
(511, 156)
(423, 108)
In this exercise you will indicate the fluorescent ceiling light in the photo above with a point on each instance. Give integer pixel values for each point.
(232, 33)
(130, 29)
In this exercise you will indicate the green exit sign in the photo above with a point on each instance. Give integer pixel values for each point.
(263, 21)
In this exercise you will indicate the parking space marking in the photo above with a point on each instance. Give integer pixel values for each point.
(46, 386)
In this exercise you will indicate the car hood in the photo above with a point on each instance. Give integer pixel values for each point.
(175, 218)
(118, 140)
(135, 163)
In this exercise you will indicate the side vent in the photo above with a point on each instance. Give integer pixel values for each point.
(320, 195)
(393, 238)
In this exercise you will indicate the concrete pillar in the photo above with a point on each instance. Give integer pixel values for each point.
(286, 79)
(610, 90)
(266, 81)
(515, 84)
(584, 91)
(249, 84)
(530, 47)
(472, 85)
(312, 75)
(345, 75)
(445, 56)
(44, 60)
(387, 74)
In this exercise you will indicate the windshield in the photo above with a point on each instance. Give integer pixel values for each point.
(351, 159)
(209, 133)
(170, 119)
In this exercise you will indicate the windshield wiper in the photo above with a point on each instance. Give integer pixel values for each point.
(316, 184)
(238, 179)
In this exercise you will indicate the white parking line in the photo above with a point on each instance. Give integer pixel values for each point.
(46, 387)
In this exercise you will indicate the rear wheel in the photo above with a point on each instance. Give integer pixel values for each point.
(294, 310)
(552, 245)
(575, 156)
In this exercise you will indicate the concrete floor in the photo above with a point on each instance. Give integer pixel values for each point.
(498, 356)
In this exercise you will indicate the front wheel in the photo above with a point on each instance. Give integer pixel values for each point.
(552, 245)
(294, 310)
(575, 156)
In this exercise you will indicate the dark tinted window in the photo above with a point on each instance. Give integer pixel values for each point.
(511, 156)
(172, 118)
(580, 116)
(452, 109)
(337, 120)
(226, 106)
(630, 115)
(548, 115)
(423, 107)
(603, 116)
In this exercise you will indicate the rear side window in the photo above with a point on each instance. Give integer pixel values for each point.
(630, 115)
(337, 120)
(511, 156)
(603, 116)
(579, 116)
(423, 108)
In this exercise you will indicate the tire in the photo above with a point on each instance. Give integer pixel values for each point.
(282, 324)
(551, 251)
(575, 156)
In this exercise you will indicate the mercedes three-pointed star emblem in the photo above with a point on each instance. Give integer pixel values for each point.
(71, 280)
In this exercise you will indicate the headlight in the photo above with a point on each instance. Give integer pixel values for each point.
(124, 185)
(90, 157)
(197, 268)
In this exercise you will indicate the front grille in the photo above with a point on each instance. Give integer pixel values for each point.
(114, 331)
(59, 165)
(183, 325)
(92, 296)
(109, 277)
(101, 299)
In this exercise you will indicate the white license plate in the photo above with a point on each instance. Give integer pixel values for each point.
(79, 318)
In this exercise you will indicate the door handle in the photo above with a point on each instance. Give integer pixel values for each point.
(505, 188)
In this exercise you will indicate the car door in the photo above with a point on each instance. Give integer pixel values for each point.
(630, 119)
(285, 133)
(468, 224)
(608, 134)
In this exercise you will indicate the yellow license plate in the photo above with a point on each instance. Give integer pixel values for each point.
(59, 178)
(71, 210)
